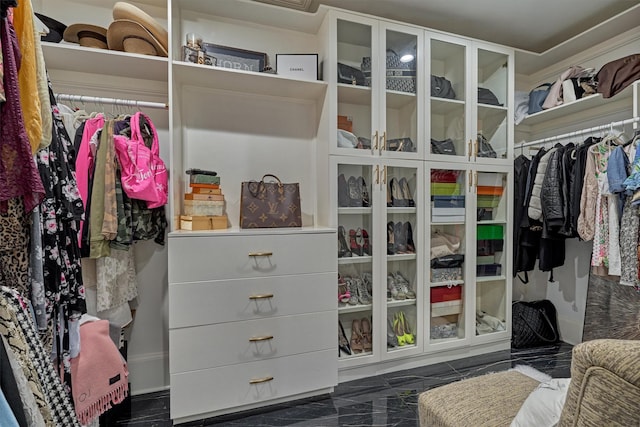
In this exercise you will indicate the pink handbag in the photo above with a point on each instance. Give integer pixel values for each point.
(144, 175)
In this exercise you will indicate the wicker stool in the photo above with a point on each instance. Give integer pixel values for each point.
(491, 400)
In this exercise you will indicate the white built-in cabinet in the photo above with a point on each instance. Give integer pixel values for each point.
(253, 316)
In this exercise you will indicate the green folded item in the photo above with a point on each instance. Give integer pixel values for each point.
(490, 232)
(486, 259)
(488, 201)
(204, 179)
(444, 189)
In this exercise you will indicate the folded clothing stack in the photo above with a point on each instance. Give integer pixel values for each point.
(490, 240)
(447, 205)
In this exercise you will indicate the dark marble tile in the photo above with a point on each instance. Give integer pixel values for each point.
(388, 400)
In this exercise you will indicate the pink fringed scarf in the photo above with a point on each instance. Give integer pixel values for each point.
(99, 374)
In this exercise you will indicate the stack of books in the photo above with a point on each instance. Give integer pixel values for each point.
(204, 207)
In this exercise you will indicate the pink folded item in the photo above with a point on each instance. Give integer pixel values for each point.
(99, 375)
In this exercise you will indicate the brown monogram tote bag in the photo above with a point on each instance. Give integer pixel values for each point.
(270, 204)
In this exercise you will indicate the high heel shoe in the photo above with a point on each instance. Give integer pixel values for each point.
(398, 329)
(397, 199)
(408, 232)
(408, 335)
(406, 192)
(355, 248)
(343, 192)
(357, 340)
(343, 248)
(355, 193)
(364, 297)
(399, 238)
(403, 285)
(343, 291)
(364, 192)
(391, 245)
(366, 246)
(353, 291)
(392, 339)
(366, 334)
(343, 344)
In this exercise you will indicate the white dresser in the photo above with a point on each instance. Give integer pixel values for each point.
(252, 318)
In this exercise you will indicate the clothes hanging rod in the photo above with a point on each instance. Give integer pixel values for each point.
(111, 101)
(577, 132)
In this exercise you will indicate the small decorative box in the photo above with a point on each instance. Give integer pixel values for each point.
(194, 223)
(203, 179)
(203, 207)
(197, 56)
(446, 274)
(301, 66)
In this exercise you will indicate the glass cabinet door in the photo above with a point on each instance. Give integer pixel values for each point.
(401, 272)
(357, 85)
(355, 260)
(400, 134)
(491, 254)
(448, 91)
(447, 280)
(492, 105)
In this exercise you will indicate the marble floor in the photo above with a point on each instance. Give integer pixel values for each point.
(384, 400)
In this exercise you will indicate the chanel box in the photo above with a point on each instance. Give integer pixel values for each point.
(302, 66)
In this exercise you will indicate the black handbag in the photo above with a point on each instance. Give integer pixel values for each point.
(448, 261)
(534, 324)
(484, 148)
(350, 75)
(443, 147)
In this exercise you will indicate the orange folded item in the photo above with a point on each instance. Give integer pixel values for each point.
(210, 186)
(198, 190)
(191, 196)
(486, 190)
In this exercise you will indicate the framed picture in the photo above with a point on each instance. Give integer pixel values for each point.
(237, 59)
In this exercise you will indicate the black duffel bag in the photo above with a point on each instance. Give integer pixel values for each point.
(534, 324)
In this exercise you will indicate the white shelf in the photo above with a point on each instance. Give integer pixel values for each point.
(566, 110)
(204, 76)
(435, 224)
(355, 259)
(401, 348)
(402, 210)
(401, 257)
(445, 106)
(72, 57)
(354, 308)
(483, 279)
(354, 211)
(492, 221)
(352, 94)
(401, 302)
(397, 99)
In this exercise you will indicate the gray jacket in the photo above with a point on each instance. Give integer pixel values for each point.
(535, 204)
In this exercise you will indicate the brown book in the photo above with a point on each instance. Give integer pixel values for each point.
(208, 186)
(198, 190)
(192, 196)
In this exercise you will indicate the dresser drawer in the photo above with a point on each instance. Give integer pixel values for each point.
(240, 342)
(215, 389)
(204, 303)
(199, 258)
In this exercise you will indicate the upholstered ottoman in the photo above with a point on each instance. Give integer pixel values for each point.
(491, 400)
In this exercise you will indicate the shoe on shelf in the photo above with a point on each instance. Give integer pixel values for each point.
(343, 291)
(353, 291)
(363, 295)
(355, 248)
(343, 192)
(357, 340)
(368, 283)
(408, 232)
(366, 334)
(355, 192)
(364, 192)
(397, 199)
(366, 245)
(391, 245)
(400, 238)
(408, 335)
(392, 339)
(404, 286)
(343, 248)
(406, 192)
(394, 289)
(398, 329)
(343, 344)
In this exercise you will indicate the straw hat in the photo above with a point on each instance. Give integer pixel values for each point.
(86, 35)
(129, 12)
(131, 36)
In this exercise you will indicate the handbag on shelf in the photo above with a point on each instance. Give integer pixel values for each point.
(144, 174)
(484, 148)
(534, 324)
(270, 204)
(443, 147)
(537, 96)
(350, 75)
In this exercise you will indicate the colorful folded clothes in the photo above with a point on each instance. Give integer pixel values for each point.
(448, 201)
(445, 189)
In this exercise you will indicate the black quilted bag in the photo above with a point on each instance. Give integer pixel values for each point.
(534, 324)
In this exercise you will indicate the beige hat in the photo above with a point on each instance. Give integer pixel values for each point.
(126, 11)
(86, 35)
(130, 36)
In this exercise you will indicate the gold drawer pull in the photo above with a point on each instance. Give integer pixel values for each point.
(261, 380)
(260, 253)
(264, 338)
(263, 296)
